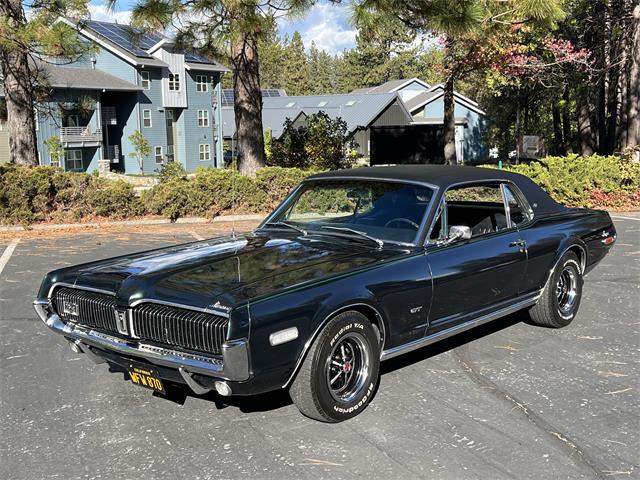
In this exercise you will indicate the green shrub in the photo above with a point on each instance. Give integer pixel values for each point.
(171, 171)
(172, 199)
(277, 182)
(114, 198)
(570, 179)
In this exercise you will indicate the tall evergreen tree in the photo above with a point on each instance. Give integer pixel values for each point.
(296, 79)
(22, 40)
(271, 55)
(320, 71)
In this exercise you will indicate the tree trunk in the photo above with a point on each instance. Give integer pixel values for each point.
(632, 136)
(566, 122)
(14, 65)
(585, 130)
(558, 143)
(449, 120)
(247, 104)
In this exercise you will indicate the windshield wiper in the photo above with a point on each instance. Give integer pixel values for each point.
(379, 242)
(288, 225)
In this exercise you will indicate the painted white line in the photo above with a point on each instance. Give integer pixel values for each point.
(625, 218)
(195, 235)
(6, 255)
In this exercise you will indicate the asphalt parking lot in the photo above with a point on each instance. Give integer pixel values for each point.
(508, 400)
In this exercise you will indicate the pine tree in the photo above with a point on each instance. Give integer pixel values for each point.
(222, 26)
(21, 40)
(296, 78)
(271, 55)
(320, 71)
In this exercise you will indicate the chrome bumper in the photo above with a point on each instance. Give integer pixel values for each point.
(233, 366)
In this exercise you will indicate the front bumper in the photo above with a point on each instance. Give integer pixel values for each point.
(232, 365)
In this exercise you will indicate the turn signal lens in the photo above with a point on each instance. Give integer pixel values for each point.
(283, 336)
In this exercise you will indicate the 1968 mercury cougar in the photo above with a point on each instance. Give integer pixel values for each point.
(354, 267)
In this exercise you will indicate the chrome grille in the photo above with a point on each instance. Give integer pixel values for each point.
(163, 324)
(204, 332)
(94, 310)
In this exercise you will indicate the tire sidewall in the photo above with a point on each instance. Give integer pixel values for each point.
(349, 322)
(568, 261)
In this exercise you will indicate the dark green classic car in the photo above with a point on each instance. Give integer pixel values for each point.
(354, 267)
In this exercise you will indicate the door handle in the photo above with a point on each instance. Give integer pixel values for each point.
(521, 244)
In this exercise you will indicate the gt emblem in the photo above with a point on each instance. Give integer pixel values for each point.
(415, 309)
(121, 321)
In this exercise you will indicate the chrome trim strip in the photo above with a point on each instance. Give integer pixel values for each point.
(428, 340)
(322, 324)
(234, 364)
(220, 313)
(78, 287)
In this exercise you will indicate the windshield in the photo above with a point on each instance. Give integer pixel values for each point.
(388, 211)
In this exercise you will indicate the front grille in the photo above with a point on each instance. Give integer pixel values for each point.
(203, 332)
(163, 324)
(95, 310)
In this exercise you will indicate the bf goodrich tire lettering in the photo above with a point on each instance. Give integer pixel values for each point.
(339, 375)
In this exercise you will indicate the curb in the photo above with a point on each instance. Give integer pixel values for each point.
(124, 223)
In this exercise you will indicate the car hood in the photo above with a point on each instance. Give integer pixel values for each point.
(221, 272)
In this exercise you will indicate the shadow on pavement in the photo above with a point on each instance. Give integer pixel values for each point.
(280, 398)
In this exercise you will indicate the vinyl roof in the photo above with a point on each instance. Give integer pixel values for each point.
(443, 176)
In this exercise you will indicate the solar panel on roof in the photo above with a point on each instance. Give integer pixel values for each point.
(133, 41)
(228, 96)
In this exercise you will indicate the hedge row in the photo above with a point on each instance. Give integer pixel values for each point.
(37, 194)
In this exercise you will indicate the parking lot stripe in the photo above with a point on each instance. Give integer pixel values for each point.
(6, 255)
(195, 235)
(625, 218)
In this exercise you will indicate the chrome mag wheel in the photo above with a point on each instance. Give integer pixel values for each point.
(347, 368)
(567, 290)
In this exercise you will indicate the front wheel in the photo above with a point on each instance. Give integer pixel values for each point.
(339, 375)
(560, 299)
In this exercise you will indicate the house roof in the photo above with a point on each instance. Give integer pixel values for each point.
(391, 86)
(85, 79)
(228, 96)
(136, 46)
(357, 110)
(420, 100)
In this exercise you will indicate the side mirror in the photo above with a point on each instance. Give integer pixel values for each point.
(458, 232)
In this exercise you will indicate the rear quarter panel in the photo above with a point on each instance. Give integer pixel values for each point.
(548, 238)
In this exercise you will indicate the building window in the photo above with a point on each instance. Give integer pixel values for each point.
(203, 118)
(145, 81)
(202, 83)
(205, 152)
(158, 155)
(73, 160)
(174, 82)
(146, 118)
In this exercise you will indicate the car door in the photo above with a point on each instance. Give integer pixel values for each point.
(477, 274)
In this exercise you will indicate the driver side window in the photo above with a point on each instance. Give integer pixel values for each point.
(478, 208)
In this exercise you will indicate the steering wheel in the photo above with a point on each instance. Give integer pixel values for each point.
(403, 220)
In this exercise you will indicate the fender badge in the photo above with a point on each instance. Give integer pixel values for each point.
(219, 306)
(415, 309)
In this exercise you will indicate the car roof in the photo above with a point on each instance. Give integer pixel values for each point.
(444, 176)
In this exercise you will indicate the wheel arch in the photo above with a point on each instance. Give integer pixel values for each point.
(371, 312)
(574, 245)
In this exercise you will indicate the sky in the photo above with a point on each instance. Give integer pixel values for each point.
(325, 24)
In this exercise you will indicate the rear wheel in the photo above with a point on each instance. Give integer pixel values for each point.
(560, 299)
(340, 372)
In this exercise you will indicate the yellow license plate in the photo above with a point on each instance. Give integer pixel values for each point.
(146, 378)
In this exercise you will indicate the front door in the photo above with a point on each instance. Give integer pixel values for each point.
(474, 275)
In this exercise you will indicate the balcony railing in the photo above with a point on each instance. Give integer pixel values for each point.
(109, 116)
(80, 135)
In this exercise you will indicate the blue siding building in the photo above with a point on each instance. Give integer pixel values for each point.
(131, 81)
